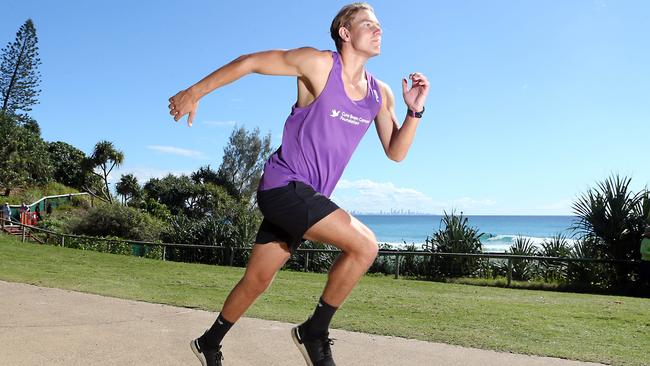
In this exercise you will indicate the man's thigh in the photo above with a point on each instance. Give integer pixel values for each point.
(341, 230)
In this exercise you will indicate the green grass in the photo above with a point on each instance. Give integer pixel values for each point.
(605, 329)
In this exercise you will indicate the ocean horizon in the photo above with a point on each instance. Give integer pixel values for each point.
(500, 230)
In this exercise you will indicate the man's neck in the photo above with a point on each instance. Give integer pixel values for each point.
(353, 66)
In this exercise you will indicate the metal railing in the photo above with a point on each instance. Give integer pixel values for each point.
(398, 255)
(42, 203)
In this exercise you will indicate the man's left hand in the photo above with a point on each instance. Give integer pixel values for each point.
(416, 96)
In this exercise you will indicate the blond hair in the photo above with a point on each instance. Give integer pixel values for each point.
(344, 18)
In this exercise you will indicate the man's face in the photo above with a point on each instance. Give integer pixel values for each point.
(365, 33)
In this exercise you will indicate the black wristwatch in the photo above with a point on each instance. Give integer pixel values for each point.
(415, 114)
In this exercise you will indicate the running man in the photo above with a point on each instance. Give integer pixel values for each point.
(337, 100)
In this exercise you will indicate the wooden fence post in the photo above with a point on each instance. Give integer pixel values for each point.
(509, 271)
(63, 240)
(232, 255)
(306, 261)
(163, 252)
(396, 266)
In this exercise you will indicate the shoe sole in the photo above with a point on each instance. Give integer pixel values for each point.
(198, 354)
(296, 339)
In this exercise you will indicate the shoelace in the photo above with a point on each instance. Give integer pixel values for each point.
(218, 356)
(327, 351)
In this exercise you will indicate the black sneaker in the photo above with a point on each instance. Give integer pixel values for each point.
(208, 357)
(316, 351)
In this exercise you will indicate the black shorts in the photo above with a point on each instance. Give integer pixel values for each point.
(289, 211)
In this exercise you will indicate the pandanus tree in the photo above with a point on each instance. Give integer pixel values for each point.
(455, 236)
(613, 217)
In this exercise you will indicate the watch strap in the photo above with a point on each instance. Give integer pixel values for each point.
(415, 114)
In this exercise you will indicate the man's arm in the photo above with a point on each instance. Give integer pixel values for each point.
(300, 62)
(397, 140)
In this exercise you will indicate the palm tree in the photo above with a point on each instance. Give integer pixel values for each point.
(105, 157)
(128, 187)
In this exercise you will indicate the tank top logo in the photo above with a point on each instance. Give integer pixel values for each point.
(348, 118)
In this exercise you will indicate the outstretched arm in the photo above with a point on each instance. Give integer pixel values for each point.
(397, 140)
(300, 62)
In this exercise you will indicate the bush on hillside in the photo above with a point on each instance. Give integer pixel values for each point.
(116, 220)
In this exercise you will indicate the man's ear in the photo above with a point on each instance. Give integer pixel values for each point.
(344, 33)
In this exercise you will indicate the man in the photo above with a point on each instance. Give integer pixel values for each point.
(6, 213)
(337, 100)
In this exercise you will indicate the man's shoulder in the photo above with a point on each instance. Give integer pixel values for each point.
(311, 53)
(312, 61)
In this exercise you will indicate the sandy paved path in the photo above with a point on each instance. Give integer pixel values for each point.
(45, 326)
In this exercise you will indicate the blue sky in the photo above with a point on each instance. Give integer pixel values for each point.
(531, 102)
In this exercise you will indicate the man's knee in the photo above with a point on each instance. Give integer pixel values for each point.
(367, 248)
(258, 282)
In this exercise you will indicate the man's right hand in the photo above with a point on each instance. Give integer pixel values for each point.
(182, 103)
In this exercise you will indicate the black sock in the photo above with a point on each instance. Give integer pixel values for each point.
(319, 323)
(213, 336)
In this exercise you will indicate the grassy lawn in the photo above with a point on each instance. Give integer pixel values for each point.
(607, 329)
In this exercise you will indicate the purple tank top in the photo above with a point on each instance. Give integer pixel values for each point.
(319, 139)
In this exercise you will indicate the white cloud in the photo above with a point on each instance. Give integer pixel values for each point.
(177, 151)
(220, 123)
(368, 196)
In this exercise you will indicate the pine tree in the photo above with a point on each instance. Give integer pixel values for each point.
(19, 77)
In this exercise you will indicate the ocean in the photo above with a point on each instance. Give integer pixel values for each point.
(501, 230)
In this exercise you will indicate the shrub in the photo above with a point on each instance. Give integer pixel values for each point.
(116, 220)
(318, 262)
(612, 217)
(557, 246)
(455, 237)
(523, 269)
